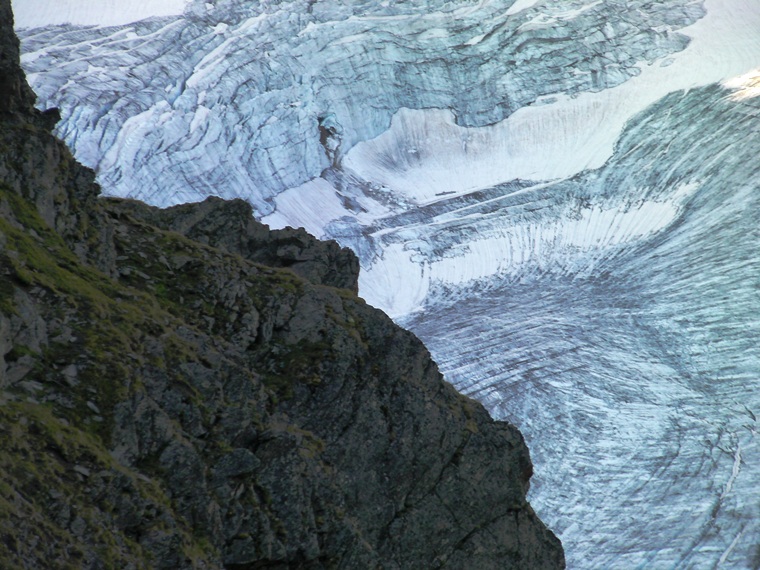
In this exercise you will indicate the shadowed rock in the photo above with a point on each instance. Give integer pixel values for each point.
(172, 397)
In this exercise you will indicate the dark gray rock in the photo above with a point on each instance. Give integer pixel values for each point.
(229, 225)
(15, 94)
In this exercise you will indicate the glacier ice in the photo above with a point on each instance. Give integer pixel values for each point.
(642, 357)
(559, 198)
(272, 70)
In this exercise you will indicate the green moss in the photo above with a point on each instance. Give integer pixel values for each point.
(109, 322)
(280, 283)
(45, 261)
(281, 385)
(288, 365)
(106, 323)
(161, 291)
(201, 549)
(107, 317)
(7, 288)
(38, 450)
(18, 351)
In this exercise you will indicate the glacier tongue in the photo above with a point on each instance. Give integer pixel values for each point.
(559, 198)
(644, 363)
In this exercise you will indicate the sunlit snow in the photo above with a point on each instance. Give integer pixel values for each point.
(746, 86)
(36, 13)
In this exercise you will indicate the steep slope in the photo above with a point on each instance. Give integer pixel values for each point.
(172, 396)
(586, 267)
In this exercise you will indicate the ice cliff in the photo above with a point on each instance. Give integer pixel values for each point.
(232, 98)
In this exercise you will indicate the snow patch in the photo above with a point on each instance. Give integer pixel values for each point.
(395, 282)
(520, 5)
(424, 153)
(39, 13)
(200, 118)
(311, 206)
(475, 41)
(746, 86)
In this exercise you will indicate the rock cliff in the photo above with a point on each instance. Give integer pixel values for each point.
(186, 389)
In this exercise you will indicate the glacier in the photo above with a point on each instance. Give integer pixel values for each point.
(560, 198)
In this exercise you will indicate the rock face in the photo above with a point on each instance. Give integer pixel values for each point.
(185, 389)
(15, 94)
(229, 225)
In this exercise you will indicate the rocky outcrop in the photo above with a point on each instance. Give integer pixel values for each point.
(229, 225)
(15, 94)
(185, 389)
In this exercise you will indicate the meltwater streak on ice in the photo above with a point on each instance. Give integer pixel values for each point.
(38, 13)
(636, 385)
(568, 244)
(425, 153)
